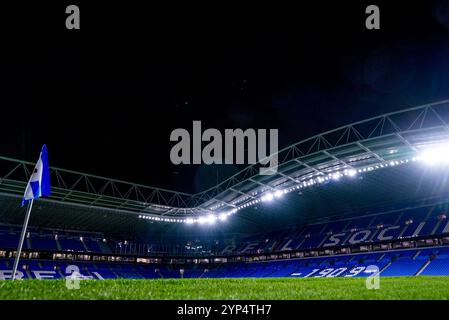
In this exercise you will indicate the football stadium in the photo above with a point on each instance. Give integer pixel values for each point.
(183, 154)
(373, 201)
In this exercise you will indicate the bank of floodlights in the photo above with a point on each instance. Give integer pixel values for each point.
(434, 154)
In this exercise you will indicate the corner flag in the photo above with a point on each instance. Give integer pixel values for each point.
(39, 184)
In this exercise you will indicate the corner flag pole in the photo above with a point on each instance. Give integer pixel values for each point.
(38, 186)
(22, 239)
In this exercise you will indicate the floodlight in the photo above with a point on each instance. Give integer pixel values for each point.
(202, 220)
(278, 193)
(268, 197)
(436, 155)
(336, 176)
(211, 219)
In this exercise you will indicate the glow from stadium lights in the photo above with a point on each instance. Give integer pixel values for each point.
(268, 197)
(211, 219)
(336, 176)
(352, 172)
(202, 220)
(279, 193)
(436, 155)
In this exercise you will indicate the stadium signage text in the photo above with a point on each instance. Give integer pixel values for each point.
(336, 239)
(234, 140)
(45, 274)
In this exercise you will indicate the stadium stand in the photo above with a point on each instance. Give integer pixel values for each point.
(402, 224)
(406, 262)
(386, 214)
(317, 244)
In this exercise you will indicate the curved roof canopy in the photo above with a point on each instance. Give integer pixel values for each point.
(391, 139)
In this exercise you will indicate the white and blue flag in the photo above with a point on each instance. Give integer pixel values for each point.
(39, 184)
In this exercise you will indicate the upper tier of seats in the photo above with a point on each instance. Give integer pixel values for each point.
(404, 224)
(47, 240)
(400, 224)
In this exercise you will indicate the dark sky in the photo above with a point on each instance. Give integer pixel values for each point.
(105, 98)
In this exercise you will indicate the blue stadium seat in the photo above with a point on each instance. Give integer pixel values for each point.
(43, 242)
(437, 267)
(403, 268)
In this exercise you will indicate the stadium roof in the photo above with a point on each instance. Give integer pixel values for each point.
(380, 142)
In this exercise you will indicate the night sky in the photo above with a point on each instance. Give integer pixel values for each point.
(105, 98)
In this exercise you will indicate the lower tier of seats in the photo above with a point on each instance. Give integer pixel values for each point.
(409, 262)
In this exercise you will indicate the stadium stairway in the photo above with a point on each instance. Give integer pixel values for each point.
(58, 245)
(423, 268)
(85, 246)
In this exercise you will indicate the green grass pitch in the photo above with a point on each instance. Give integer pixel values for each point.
(244, 288)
